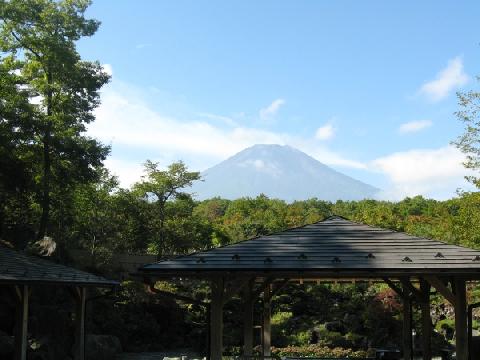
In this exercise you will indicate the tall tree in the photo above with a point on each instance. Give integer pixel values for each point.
(41, 36)
(15, 132)
(469, 141)
(160, 186)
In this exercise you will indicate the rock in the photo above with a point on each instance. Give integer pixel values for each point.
(6, 346)
(102, 347)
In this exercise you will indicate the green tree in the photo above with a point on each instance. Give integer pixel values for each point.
(160, 186)
(94, 225)
(469, 141)
(16, 130)
(40, 35)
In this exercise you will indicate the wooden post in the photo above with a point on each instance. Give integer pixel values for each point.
(407, 328)
(80, 300)
(426, 320)
(216, 319)
(21, 330)
(80, 323)
(249, 302)
(267, 327)
(461, 343)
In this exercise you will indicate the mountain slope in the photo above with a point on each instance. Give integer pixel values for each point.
(278, 172)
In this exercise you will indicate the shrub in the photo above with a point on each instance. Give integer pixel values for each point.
(318, 351)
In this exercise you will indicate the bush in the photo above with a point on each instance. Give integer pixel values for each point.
(319, 352)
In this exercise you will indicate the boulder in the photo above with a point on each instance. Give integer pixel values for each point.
(102, 347)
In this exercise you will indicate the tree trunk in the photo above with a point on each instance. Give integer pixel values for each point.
(45, 202)
(47, 166)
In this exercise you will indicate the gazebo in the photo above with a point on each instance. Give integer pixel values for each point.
(335, 249)
(22, 273)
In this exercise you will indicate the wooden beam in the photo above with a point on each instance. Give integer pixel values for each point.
(407, 328)
(248, 305)
(426, 320)
(267, 326)
(216, 319)
(21, 326)
(461, 342)
(441, 288)
(81, 296)
(395, 288)
(407, 285)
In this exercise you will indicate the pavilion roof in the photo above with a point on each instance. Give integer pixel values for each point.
(19, 268)
(335, 247)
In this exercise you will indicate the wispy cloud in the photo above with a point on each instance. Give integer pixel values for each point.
(137, 132)
(271, 109)
(450, 78)
(131, 126)
(414, 126)
(325, 132)
(225, 119)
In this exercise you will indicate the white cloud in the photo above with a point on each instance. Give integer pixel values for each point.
(329, 157)
(271, 109)
(450, 78)
(325, 132)
(414, 126)
(429, 172)
(108, 69)
(225, 119)
(127, 171)
(136, 131)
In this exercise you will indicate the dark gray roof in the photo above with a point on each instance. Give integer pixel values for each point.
(20, 268)
(334, 247)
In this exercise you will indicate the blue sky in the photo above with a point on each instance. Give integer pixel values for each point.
(365, 87)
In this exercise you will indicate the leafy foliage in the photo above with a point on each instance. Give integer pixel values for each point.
(469, 141)
(56, 93)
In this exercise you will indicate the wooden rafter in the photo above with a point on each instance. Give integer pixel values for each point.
(440, 286)
(416, 293)
(395, 288)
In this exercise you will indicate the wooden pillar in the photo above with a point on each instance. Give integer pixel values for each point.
(249, 302)
(267, 326)
(407, 328)
(80, 300)
(216, 319)
(426, 320)
(21, 326)
(461, 342)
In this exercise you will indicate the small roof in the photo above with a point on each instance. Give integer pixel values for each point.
(335, 247)
(20, 268)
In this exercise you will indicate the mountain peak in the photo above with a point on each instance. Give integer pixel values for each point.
(278, 171)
